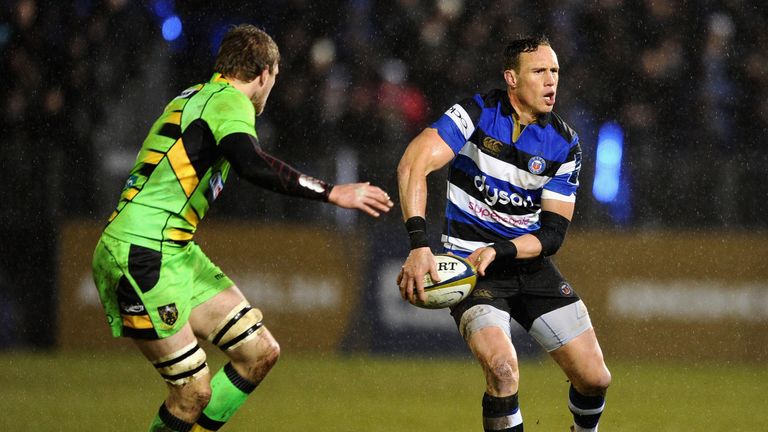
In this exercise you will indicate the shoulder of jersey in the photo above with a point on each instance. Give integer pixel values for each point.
(563, 129)
(231, 96)
(492, 97)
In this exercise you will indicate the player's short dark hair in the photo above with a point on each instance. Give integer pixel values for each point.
(523, 45)
(245, 52)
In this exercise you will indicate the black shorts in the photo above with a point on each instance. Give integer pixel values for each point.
(526, 289)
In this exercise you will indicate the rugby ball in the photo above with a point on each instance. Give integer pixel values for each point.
(457, 279)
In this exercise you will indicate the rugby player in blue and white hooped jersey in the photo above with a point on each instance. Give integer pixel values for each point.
(514, 167)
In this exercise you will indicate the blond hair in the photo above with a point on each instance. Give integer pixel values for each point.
(245, 52)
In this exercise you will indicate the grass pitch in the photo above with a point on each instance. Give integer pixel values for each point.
(81, 391)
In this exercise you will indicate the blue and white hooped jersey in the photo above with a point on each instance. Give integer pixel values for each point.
(496, 184)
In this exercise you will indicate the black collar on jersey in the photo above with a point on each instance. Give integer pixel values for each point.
(507, 109)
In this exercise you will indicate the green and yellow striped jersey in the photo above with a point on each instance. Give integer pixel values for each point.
(179, 170)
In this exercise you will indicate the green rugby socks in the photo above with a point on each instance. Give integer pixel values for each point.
(229, 390)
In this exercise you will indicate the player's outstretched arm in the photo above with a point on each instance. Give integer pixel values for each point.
(362, 196)
(262, 169)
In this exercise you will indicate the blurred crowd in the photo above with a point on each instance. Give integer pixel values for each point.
(687, 80)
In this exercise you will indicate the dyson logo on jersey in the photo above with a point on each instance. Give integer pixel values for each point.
(494, 195)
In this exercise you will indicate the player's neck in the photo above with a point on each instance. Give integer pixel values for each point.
(524, 116)
(245, 87)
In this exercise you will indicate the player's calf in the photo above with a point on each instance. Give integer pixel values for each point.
(245, 340)
(486, 330)
(586, 399)
(186, 373)
(502, 414)
(252, 351)
(586, 410)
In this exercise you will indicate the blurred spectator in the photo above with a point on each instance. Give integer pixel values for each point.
(63, 66)
(688, 82)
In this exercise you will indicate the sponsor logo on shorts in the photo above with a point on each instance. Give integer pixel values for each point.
(537, 165)
(482, 293)
(565, 289)
(219, 276)
(135, 308)
(168, 313)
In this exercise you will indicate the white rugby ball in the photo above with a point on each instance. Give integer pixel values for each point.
(457, 279)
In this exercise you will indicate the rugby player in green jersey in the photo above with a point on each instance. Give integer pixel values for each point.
(156, 285)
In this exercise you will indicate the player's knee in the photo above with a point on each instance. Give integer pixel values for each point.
(243, 324)
(270, 353)
(186, 366)
(603, 381)
(187, 401)
(198, 398)
(259, 366)
(595, 384)
(502, 370)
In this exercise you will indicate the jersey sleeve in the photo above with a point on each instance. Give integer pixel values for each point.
(457, 124)
(262, 169)
(230, 112)
(563, 185)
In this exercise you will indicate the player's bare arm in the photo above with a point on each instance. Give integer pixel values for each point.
(529, 245)
(425, 154)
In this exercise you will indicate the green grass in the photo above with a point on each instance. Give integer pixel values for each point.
(121, 392)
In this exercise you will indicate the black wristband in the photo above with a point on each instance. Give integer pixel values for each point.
(417, 232)
(505, 249)
(327, 192)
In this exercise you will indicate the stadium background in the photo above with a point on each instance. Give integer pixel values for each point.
(670, 99)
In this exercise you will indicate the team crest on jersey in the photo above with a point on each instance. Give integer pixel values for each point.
(168, 313)
(565, 289)
(537, 165)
